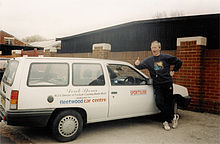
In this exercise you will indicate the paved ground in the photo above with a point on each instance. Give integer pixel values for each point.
(194, 128)
(5, 140)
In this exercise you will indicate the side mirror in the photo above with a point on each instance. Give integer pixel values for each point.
(149, 81)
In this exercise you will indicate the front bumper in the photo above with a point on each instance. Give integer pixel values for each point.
(38, 118)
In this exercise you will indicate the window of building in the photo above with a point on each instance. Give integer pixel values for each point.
(9, 40)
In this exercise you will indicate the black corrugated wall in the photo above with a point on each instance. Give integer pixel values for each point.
(137, 36)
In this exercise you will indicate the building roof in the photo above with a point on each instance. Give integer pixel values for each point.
(48, 44)
(5, 34)
(1, 31)
(151, 21)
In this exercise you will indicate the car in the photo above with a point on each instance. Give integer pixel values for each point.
(67, 93)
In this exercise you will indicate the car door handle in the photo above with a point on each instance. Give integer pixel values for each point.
(114, 92)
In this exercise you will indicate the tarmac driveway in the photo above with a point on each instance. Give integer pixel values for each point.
(194, 128)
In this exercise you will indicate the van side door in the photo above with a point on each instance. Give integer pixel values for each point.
(129, 94)
(89, 84)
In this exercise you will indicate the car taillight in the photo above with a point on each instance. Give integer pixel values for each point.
(14, 99)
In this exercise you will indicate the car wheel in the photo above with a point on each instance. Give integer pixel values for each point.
(67, 125)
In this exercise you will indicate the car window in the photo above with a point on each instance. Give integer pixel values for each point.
(10, 71)
(3, 63)
(48, 74)
(87, 74)
(124, 75)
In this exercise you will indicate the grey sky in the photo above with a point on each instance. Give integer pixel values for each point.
(58, 18)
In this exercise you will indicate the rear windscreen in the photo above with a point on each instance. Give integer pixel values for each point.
(10, 71)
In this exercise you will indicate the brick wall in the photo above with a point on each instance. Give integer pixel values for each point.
(190, 75)
(199, 72)
(211, 85)
(32, 53)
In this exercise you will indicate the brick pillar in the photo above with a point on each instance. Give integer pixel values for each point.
(191, 51)
(101, 50)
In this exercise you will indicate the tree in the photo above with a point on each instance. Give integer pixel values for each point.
(164, 14)
(33, 38)
(176, 13)
(160, 14)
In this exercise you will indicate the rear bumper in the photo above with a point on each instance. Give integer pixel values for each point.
(182, 102)
(38, 118)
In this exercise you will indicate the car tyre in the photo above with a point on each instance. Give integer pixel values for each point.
(67, 125)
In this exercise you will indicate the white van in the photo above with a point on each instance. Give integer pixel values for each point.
(66, 93)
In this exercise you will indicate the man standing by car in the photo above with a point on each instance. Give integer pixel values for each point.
(159, 68)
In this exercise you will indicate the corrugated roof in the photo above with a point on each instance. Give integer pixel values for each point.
(135, 22)
(49, 44)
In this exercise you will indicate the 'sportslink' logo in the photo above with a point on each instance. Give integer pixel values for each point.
(138, 92)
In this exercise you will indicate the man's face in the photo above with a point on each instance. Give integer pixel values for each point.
(155, 49)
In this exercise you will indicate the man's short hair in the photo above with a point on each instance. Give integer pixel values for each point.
(156, 42)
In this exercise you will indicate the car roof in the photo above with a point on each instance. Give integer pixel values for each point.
(108, 61)
(2, 58)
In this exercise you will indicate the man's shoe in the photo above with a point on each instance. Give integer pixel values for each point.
(175, 121)
(166, 126)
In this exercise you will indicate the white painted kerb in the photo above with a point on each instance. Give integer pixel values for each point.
(199, 40)
(105, 46)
